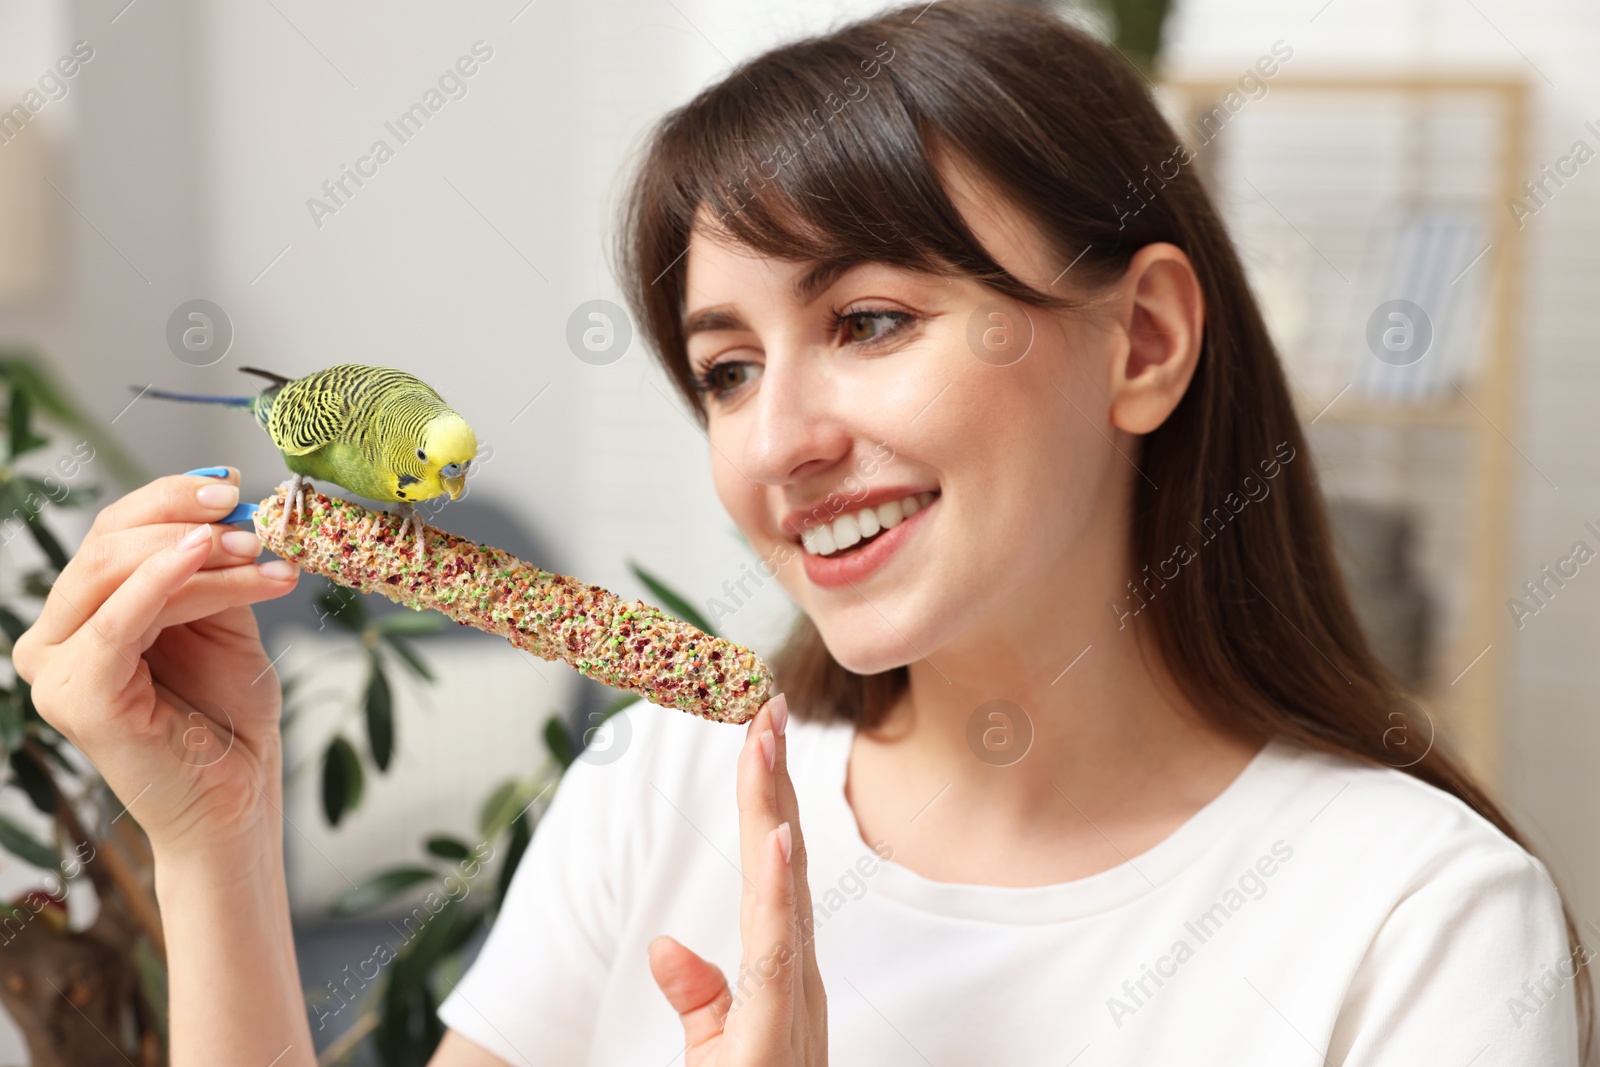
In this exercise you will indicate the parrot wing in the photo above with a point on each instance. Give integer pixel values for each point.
(306, 419)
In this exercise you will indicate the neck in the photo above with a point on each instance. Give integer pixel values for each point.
(1047, 703)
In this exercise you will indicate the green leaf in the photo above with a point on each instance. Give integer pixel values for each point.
(448, 848)
(342, 607)
(19, 416)
(47, 541)
(11, 720)
(11, 625)
(46, 396)
(52, 748)
(379, 704)
(381, 887)
(521, 835)
(37, 582)
(671, 600)
(410, 623)
(502, 806)
(34, 781)
(442, 935)
(152, 983)
(409, 1028)
(409, 657)
(23, 845)
(29, 712)
(341, 780)
(71, 498)
(558, 739)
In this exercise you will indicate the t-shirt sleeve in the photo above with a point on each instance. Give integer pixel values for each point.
(532, 994)
(1471, 967)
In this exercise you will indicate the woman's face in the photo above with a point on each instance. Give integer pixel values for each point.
(924, 478)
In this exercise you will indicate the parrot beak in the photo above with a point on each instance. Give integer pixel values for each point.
(456, 485)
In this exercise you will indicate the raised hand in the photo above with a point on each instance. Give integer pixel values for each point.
(783, 1018)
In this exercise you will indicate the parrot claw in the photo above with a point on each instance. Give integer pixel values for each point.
(295, 493)
(411, 517)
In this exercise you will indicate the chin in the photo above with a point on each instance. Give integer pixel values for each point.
(867, 649)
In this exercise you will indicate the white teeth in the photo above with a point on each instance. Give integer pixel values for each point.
(845, 532)
(822, 541)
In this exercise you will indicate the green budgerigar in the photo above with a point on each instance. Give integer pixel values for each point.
(379, 432)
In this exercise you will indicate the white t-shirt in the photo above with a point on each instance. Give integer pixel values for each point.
(1316, 908)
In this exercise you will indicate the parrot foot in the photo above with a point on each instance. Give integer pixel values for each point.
(411, 517)
(295, 494)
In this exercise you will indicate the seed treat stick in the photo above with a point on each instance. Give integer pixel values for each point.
(625, 644)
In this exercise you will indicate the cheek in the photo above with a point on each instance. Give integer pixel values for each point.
(741, 499)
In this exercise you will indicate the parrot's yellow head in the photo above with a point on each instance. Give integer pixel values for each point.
(447, 449)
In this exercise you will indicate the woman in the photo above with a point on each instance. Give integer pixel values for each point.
(1092, 761)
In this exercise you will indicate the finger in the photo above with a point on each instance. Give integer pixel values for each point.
(696, 989)
(789, 811)
(106, 656)
(209, 592)
(758, 805)
(105, 560)
(766, 1019)
(174, 498)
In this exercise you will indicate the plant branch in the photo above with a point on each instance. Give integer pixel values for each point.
(113, 877)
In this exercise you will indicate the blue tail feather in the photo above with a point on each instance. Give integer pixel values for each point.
(202, 398)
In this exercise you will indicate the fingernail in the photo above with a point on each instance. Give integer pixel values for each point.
(217, 496)
(785, 840)
(780, 712)
(241, 543)
(212, 472)
(769, 749)
(200, 535)
(278, 569)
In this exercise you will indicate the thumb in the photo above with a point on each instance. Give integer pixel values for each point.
(696, 989)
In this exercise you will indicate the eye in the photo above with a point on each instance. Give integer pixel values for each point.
(720, 379)
(867, 326)
(422, 455)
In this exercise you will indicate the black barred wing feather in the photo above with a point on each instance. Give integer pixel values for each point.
(308, 413)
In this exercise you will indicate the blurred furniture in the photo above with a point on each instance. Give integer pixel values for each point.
(1345, 193)
(28, 215)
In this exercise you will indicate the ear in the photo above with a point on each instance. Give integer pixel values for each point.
(1161, 314)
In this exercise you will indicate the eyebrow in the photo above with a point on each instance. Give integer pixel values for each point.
(816, 278)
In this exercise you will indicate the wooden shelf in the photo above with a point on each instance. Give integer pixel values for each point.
(1450, 414)
(1471, 707)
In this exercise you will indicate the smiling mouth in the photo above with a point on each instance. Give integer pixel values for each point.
(852, 531)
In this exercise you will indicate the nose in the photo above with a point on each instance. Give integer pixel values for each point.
(795, 429)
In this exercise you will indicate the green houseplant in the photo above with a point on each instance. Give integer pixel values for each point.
(76, 994)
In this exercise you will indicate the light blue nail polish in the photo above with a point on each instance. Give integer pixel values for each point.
(240, 513)
(210, 472)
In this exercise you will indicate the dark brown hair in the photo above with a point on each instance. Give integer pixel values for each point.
(825, 150)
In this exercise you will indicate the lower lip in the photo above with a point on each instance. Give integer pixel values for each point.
(836, 571)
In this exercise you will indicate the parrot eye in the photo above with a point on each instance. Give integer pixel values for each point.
(422, 455)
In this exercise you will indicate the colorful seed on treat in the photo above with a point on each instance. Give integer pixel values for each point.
(628, 645)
